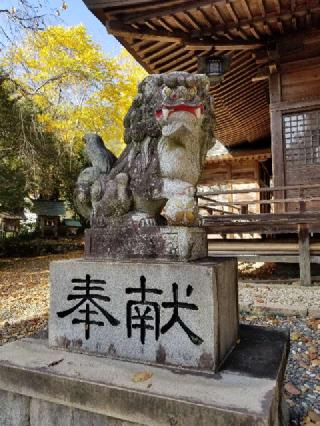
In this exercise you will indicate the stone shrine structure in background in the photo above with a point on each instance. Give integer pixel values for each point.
(144, 329)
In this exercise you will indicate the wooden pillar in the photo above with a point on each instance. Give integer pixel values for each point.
(304, 256)
(278, 161)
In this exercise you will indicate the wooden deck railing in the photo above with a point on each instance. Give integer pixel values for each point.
(239, 209)
(301, 220)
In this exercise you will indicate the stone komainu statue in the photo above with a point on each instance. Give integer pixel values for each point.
(168, 131)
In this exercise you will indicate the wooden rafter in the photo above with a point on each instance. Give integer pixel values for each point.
(223, 45)
(217, 14)
(246, 8)
(132, 7)
(167, 58)
(164, 24)
(163, 11)
(178, 23)
(269, 17)
(180, 60)
(232, 12)
(151, 48)
(123, 30)
(194, 24)
(206, 18)
(162, 52)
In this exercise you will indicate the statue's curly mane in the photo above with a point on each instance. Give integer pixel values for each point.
(140, 121)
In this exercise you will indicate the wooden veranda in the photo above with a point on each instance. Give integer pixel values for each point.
(266, 93)
(224, 218)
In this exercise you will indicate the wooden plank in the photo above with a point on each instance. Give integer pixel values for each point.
(272, 258)
(93, 4)
(223, 45)
(274, 201)
(162, 52)
(246, 8)
(252, 229)
(253, 258)
(262, 246)
(271, 189)
(304, 256)
(172, 55)
(120, 29)
(295, 105)
(171, 64)
(211, 209)
(221, 203)
(268, 229)
(131, 6)
(189, 17)
(266, 217)
(301, 84)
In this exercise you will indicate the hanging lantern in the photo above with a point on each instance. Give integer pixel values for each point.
(213, 67)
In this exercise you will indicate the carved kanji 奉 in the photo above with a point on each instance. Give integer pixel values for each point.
(85, 295)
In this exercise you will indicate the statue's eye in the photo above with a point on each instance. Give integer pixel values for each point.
(192, 92)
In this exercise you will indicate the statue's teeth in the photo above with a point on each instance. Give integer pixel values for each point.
(165, 113)
(198, 112)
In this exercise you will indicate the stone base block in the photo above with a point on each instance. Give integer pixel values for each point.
(165, 313)
(40, 386)
(152, 242)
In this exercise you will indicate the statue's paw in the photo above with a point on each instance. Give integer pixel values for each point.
(182, 218)
(148, 221)
(181, 211)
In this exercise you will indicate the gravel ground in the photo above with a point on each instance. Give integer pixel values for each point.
(302, 381)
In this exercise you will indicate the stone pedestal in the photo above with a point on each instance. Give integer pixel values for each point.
(169, 313)
(40, 386)
(177, 243)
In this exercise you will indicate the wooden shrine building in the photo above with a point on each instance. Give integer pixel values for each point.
(233, 168)
(10, 223)
(263, 59)
(49, 214)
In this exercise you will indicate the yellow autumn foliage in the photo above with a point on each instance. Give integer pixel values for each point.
(75, 86)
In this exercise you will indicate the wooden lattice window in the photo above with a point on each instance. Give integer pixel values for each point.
(301, 133)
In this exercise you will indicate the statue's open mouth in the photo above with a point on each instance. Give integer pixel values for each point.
(167, 110)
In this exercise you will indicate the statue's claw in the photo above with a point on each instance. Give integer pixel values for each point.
(148, 222)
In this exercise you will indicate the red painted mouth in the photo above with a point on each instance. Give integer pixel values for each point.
(167, 110)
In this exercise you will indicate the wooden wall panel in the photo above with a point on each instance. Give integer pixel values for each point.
(300, 84)
(236, 171)
(296, 89)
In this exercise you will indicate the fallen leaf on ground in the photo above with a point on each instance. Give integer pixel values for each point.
(312, 355)
(314, 417)
(290, 388)
(295, 336)
(303, 365)
(142, 377)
